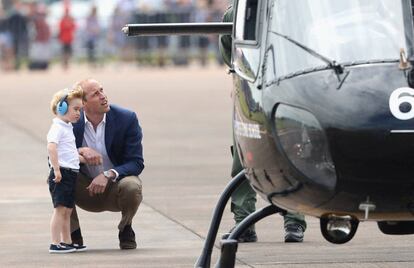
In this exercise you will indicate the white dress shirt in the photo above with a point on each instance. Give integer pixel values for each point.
(96, 140)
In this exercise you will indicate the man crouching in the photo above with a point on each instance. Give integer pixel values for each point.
(109, 138)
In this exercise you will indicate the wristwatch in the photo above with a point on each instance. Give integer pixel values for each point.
(108, 175)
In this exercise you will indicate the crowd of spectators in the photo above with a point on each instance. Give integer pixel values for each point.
(29, 37)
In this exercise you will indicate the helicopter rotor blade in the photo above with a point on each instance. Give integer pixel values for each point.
(157, 29)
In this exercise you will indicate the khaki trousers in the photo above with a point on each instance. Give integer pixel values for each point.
(124, 196)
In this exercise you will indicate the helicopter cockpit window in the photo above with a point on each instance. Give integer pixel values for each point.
(245, 50)
(344, 31)
(246, 20)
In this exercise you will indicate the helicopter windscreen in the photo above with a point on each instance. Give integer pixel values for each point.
(345, 31)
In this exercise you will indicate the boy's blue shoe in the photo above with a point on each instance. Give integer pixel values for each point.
(77, 247)
(61, 249)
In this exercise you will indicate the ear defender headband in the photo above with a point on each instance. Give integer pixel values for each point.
(62, 106)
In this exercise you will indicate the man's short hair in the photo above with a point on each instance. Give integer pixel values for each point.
(82, 84)
(75, 93)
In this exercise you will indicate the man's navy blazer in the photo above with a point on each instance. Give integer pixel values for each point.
(123, 140)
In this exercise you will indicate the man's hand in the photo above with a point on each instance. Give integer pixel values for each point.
(91, 156)
(97, 185)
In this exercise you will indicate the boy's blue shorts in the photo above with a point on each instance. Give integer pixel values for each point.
(63, 193)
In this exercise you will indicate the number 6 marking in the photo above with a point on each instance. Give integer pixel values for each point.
(398, 97)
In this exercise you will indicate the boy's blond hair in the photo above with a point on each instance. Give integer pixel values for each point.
(75, 93)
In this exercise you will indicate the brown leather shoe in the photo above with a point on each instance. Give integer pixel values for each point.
(77, 237)
(127, 238)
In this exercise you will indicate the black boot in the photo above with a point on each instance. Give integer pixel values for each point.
(247, 236)
(77, 237)
(127, 238)
(293, 233)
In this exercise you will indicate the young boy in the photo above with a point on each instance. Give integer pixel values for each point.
(64, 163)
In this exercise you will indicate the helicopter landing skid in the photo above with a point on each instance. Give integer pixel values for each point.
(229, 246)
(205, 257)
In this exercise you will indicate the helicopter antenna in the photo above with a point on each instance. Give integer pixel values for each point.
(337, 67)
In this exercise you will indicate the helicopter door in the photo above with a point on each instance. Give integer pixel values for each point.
(246, 49)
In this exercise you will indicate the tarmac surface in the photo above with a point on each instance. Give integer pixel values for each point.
(186, 117)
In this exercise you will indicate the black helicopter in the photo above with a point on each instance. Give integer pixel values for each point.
(323, 112)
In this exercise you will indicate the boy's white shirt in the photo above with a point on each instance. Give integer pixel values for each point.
(61, 133)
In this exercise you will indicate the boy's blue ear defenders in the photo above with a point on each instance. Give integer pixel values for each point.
(62, 106)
